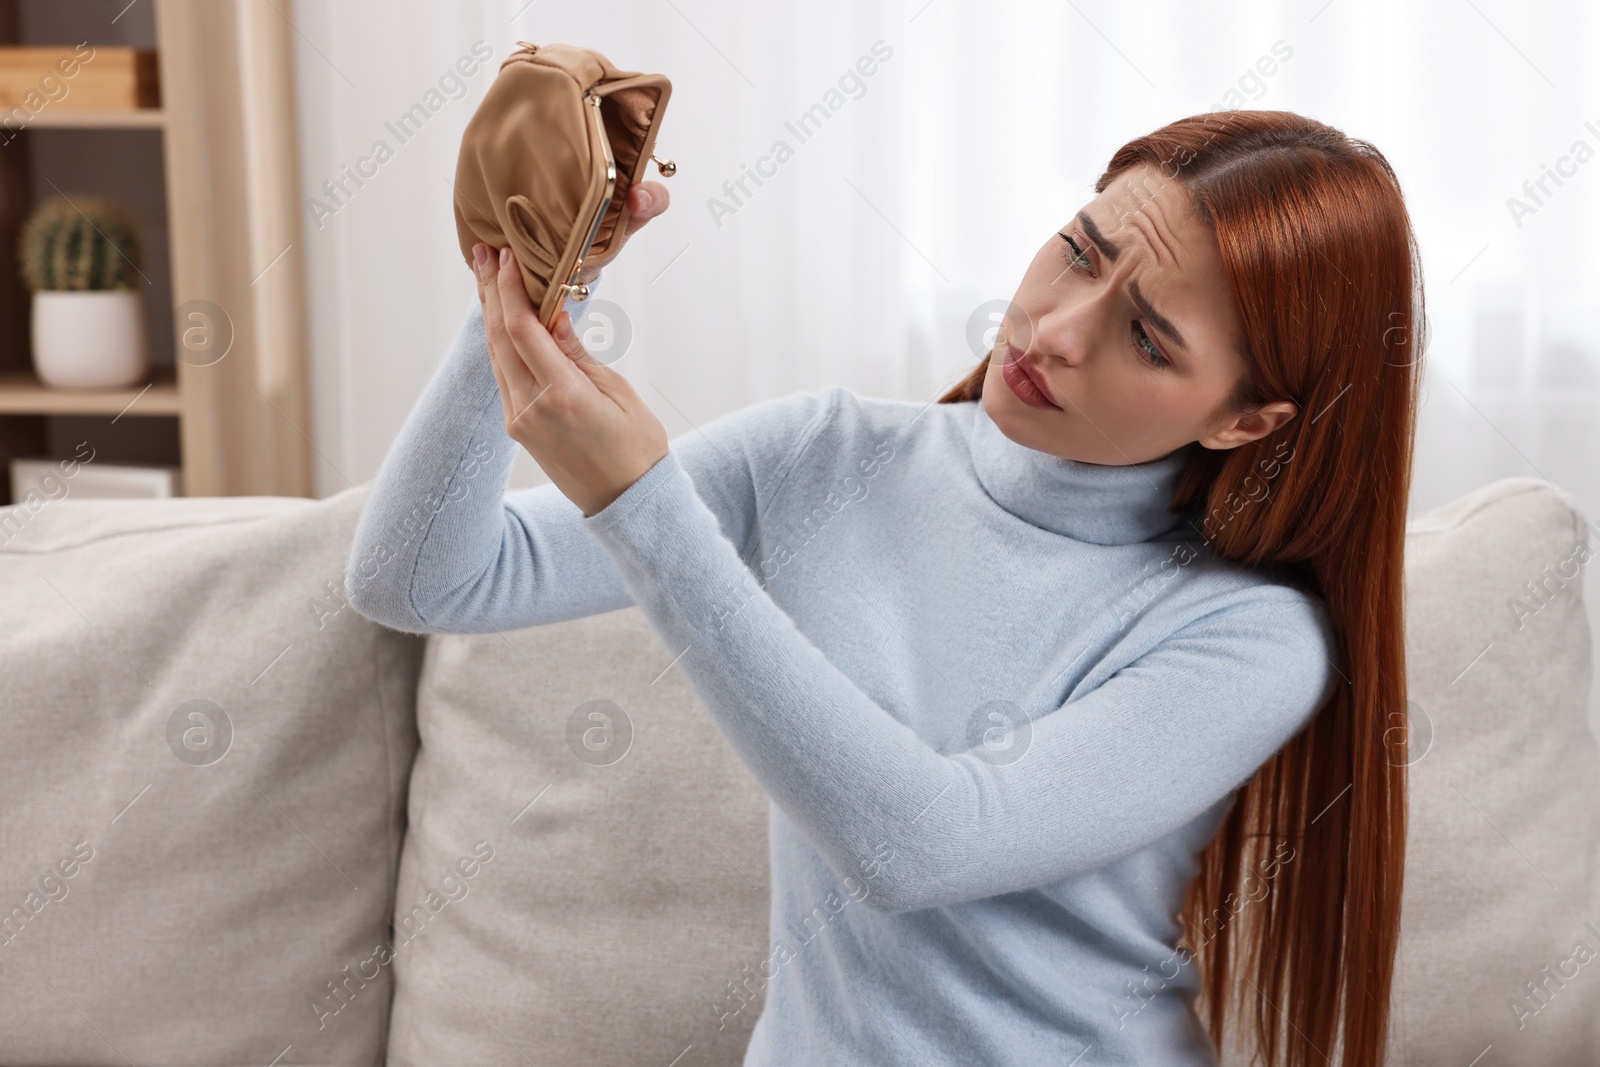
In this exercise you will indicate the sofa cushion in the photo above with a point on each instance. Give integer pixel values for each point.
(585, 871)
(1502, 879)
(1502, 898)
(203, 759)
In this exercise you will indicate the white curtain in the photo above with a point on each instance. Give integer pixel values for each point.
(921, 190)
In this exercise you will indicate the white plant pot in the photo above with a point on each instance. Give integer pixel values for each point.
(89, 339)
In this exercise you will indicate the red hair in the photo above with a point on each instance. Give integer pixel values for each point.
(1322, 263)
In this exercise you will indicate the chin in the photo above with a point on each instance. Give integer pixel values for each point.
(1040, 429)
(1033, 428)
(1054, 431)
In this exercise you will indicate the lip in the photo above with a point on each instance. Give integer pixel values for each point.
(1026, 381)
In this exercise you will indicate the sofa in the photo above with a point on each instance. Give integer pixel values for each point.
(243, 824)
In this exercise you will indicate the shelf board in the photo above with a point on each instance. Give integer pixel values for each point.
(146, 118)
(22, 393)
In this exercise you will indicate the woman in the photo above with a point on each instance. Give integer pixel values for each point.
(1110, 634)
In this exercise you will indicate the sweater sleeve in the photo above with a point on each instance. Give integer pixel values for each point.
(1108, 773)
(442, 547)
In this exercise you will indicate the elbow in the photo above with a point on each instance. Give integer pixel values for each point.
(888, 898)
(894, 894)
(361, 589)
(373, 598)
(392, 604)
(370, 605)
(935, 867)
(889, 882)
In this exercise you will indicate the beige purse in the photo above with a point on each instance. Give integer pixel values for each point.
(546, 162)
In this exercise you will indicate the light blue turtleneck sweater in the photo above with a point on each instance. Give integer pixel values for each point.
(1000, 700)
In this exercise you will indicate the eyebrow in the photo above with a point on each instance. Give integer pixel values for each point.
(1111, 252)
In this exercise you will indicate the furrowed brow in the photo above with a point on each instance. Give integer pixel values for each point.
(1112, 251)
(1109, 250)
(1160, 321)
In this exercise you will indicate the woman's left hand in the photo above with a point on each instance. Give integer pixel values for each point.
(580, 420)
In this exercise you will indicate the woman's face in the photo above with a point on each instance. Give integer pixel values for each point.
(1123, 345)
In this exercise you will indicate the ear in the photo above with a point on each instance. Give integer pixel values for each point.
(1240, 429)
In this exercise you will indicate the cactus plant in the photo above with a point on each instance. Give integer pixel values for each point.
(81, 244)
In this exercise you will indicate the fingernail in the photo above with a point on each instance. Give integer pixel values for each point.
(644, 199)
(480, 254)
(505, 256)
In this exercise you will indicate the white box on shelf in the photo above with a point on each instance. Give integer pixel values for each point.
(48, 479)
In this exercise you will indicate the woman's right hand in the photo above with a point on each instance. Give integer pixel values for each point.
(645, 200)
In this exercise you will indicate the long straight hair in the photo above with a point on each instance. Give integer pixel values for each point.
(1322, 263)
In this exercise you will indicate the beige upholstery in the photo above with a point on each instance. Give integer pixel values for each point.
(1503, 856)
(210, 900)
(558, 904)
(1503, 870)
(623, 896)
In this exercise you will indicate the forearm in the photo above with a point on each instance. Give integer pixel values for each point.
(1104, 775)
(441, 547)
(843, 768)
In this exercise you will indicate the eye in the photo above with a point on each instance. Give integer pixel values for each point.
(1145, 347)
(1076, 258)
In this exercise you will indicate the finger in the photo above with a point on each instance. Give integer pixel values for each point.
(570, 343)
(480, 260)
(511, 377)
(493, 313)
(523, 385)
(660, 197)
(533, 343)
(567, 339)
(608, 381)
(646, 200)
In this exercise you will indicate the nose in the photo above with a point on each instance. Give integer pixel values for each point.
(1076, 326)
(1062, 336)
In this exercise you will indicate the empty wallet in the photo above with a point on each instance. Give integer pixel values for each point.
(546, 162)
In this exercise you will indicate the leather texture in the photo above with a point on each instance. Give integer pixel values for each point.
(532, 168)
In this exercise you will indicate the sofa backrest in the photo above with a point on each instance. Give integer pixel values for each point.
(1502, 899)
(203, 761)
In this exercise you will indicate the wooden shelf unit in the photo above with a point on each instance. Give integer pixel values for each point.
(144, 118)
(22, 393)
(229, 173)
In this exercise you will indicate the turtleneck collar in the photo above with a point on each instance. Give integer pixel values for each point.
(1092, 502)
